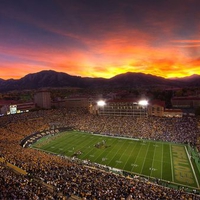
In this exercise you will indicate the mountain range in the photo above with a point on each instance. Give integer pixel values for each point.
(49, 78)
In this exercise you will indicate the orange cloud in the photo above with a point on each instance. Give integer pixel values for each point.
(186, 41)
(127, 50)
(105, 58)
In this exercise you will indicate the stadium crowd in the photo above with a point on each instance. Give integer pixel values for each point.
(179, 130)
(67, 178)
(15, 186)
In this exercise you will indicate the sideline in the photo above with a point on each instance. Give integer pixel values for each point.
(192, 166)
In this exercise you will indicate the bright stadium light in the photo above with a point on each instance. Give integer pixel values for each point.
(101, 103)
(143, 102)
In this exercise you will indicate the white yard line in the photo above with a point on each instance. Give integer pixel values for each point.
(144, 159)
(136, 157)
(192, 166)
(116, 153)
(129, 157)
(152, 160)
(162, 162)
(172, 166)
(124, 153)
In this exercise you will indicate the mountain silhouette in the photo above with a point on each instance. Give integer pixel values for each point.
(50, 78)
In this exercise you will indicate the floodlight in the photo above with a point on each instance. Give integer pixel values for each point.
(143, 102)
(101, 103)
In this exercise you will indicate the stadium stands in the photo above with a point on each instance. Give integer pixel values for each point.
(54, 177)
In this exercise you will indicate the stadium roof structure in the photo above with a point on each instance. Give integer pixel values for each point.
(186, 98)
(157, 102)
(8, 102)
(123, 100)
(174, 110)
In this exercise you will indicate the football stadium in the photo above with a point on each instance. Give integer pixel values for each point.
(61, 154)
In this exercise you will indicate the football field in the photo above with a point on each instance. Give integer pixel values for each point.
(164, 161)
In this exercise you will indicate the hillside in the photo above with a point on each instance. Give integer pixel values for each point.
(49, 78)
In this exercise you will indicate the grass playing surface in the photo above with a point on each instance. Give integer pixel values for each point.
(165, 161)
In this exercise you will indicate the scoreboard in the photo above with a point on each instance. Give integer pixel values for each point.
(13, 109)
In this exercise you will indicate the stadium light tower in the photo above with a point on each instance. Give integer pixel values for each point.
(101, 103)
(143, 102)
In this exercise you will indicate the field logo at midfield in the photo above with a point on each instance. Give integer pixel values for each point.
(182, 169)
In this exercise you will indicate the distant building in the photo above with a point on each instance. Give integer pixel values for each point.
(24, 107)
(185, 102)
(42, 99)
(77, 103)
(58, 103)
(173, 113)
(156, 108)
(5, 106)
(5, 109)
(122, 107)
(15, 107)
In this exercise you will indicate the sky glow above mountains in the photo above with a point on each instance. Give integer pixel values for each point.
(92, 38)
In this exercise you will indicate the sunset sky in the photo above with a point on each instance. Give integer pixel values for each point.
(100, 38)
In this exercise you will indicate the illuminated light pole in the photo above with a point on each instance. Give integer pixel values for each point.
(143, 103)
(101, 104)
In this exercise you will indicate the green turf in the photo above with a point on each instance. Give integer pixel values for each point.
(164, 161)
